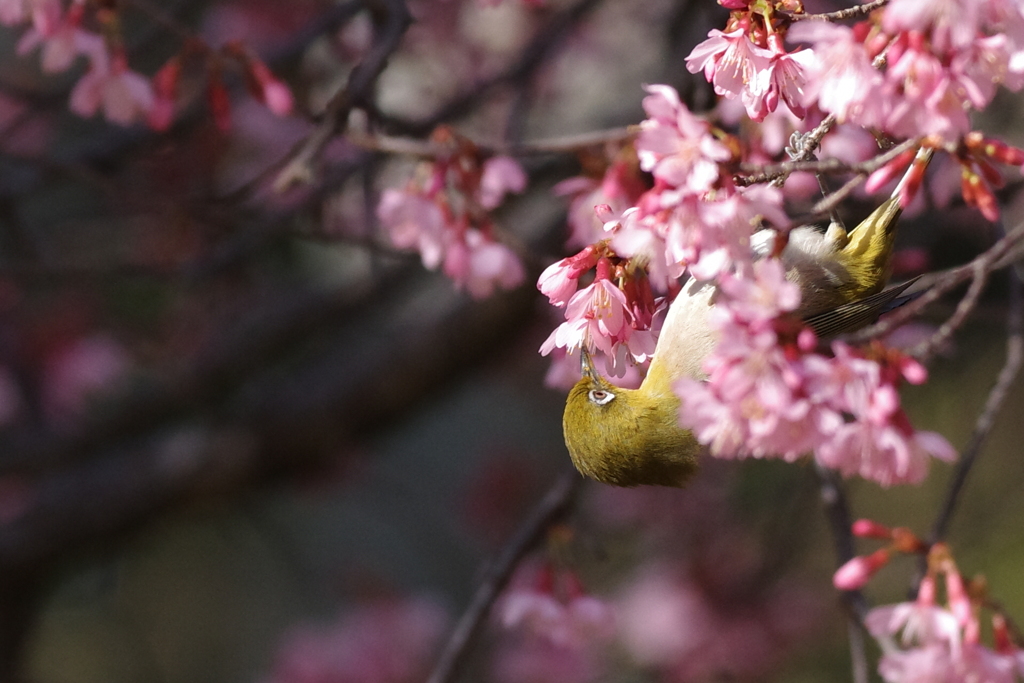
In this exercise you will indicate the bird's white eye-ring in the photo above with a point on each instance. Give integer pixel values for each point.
(600, 396)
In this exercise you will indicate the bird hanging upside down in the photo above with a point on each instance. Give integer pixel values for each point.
(628, 437)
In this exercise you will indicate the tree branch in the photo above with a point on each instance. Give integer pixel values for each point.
(391, 19)
(993, 404)
(840, 15)
(837, 512)
(497, 572)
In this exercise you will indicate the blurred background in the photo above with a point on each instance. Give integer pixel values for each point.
(245, 438)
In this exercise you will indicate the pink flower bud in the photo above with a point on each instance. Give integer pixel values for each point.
(994, 149)
(886, 173)
(913, 371)
(911, 182)
(267, 88)
(858, 571)
(978, 194)
(807, 341)
(866, 528)
(926, 591)
(1001, 634)
(219, 102)
(165, 91)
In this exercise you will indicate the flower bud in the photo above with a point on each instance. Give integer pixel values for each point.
(858, 571)
(866, 528)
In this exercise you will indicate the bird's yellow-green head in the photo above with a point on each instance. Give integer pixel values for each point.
(627, 437)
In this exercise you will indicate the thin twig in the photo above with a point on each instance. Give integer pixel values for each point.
(533, 56)
(837, 511)
(999, 255)
(498, 572)
(979, 279)
(428, 149)
(388, 34)
(848, 13)
(165, 19)
(996, 397)
(833, 498)
(811, 140)
(858, 650)
(770, 172)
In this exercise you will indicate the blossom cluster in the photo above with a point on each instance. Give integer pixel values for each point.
(384, 641)
(770, 394)
(911, 68)
(693, 219)
(443, 213)
(696, 608)
(614, 314)
(125, 96)
(928, 638)
(551, 603)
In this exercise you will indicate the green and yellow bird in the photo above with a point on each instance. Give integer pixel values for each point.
(628, 437)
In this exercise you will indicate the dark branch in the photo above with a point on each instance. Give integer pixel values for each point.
(391, 19)
(532, 57)
(498, 571)
(993, 404)
(840, 15)
(837, 511)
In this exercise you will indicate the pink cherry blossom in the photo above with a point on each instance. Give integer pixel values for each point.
(676, 146)
(618, 190)
(165, 92)
(930, 664)
(538, 660)
(124, 95)
(764, 397)
(479, 265)
(663, 618)
(879, 443)
(12, 12)
(550, 603)
(928, 102)
(602, 317)
(596, 317)
(953, 24)
(45, 14)
(753, 402)
(61, 37)
(360, 646)
(784, 80)
(500, 175)
(413, 222)
(761, 297)
(572, 622)
(980, 663)
(439, 214)
(841, 79)
(920, 622)
(559, 280)
(735, 66)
